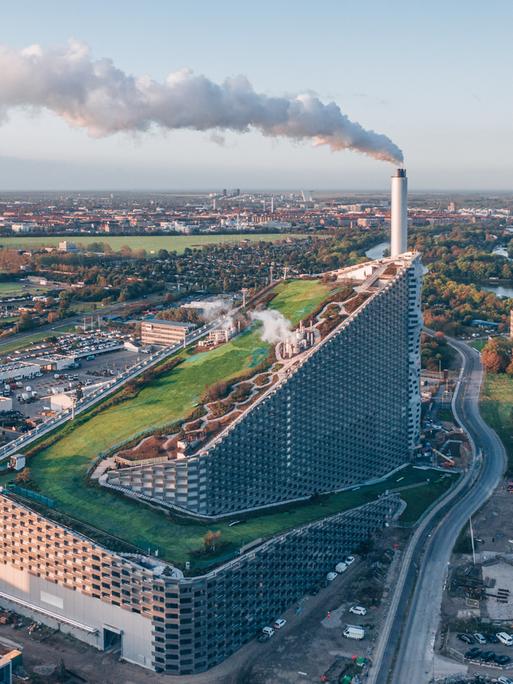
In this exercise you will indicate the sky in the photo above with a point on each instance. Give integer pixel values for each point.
(434, 77)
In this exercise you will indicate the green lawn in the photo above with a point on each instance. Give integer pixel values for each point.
(478, 344)
(297, 298)
(59, 471)
(151, 243)
(177, 538)
(497, 409)
(10, 288)
(419, 499)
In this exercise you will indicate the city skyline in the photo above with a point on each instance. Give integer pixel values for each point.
(444, 106)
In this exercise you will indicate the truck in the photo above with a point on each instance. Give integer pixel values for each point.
(354, 632)
(17, 462)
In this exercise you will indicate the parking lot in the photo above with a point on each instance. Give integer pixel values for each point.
(90, 374)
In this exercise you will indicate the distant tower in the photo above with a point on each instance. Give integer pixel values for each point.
(399, 214)
(272, 204)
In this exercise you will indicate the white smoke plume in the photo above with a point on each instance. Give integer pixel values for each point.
(276, 328)
(216, 307)
(103, 99)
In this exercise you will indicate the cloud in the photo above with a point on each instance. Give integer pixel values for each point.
(101, 98)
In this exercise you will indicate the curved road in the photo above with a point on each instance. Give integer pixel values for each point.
(410, 630)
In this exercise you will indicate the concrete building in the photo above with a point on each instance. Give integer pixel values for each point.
(165, 333)
(345, 411)
(146, 608)
(348, 413)
(61, 402)
(5, 404)
(399, 213)
(18, 370)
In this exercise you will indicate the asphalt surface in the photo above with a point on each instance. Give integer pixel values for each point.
(405, 654)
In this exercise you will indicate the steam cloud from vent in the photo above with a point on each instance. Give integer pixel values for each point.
(215, 308)
(99, 97)
(276, 328)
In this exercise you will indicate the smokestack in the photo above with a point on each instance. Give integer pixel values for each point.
(399, 213)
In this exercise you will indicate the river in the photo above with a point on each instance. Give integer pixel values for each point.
(378, 251)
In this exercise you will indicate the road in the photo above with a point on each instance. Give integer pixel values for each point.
(410, 630)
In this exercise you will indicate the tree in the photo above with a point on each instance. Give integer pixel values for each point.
(23, 476)
(210, 540)
(496, 354)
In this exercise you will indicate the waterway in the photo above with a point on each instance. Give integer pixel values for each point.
(378, 251)
(500, 290)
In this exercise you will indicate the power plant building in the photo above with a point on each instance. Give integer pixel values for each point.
(348, 413)
(342, 409)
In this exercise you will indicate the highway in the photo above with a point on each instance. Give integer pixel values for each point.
(404, 653)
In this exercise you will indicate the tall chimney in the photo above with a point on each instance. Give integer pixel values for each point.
(399, 213)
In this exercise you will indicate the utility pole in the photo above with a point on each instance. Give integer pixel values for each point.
(472, 540)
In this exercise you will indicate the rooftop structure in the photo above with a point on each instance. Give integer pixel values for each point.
(343, 409)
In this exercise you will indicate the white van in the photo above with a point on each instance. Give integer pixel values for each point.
(354, 632)
(340, 568)
(505, 638)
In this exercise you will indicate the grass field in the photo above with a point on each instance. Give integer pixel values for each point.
(497, 409)
(418, 499)
(478, 344)
(151, 243)
(297, 298)
(10, 288)
(178, 539)
(60, 470)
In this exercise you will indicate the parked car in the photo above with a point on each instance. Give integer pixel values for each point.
(280, 622)
(487, 656)
(479, 638)
(492, 638)
(268, 631)
(504, 680)
(505, 638)
(502, 659)
(331, 576)
(473, 653)
(466, 638)
(349, 560)
(358, 610)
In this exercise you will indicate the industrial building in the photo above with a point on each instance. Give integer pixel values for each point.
(164, 333)
(348, 413)
(18, 370)
(343, 410)
(155, 616)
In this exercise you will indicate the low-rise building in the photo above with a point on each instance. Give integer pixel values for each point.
(165, 333)
(18, 369)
